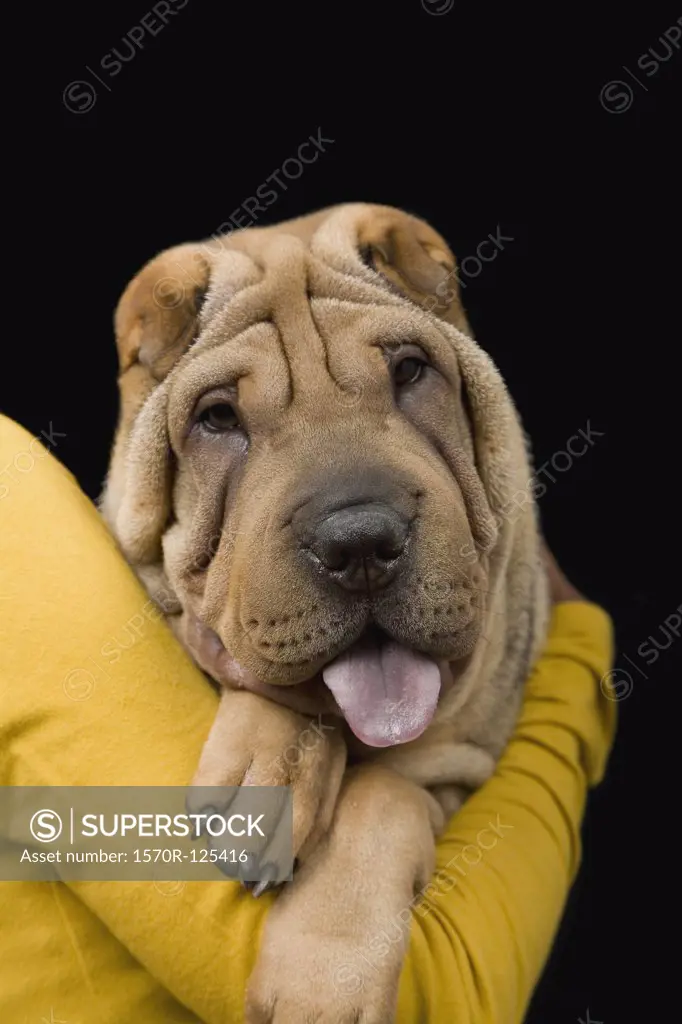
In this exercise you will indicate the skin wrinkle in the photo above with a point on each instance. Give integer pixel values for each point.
(287, 363)
(247, 308)
(287, 266)
(373, 287)
(323, 343)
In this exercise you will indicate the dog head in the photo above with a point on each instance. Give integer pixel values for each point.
(305, 468)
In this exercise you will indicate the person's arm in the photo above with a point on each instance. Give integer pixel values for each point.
(95, 690)
(485, 928)
(76, 714)
(508, 859)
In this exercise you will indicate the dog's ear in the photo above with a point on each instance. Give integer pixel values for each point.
(156, 322)
(415, 259)
(157, 314)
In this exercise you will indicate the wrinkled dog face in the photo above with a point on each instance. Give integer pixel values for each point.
(325, 509)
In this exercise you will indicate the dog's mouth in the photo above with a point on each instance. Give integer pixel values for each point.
(387, 693)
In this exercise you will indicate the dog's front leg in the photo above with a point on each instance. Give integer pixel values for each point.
(254, 742)
(334, 942)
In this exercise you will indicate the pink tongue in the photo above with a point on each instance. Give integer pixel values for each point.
(388, 694)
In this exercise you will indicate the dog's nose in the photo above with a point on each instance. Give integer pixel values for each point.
(360, 546)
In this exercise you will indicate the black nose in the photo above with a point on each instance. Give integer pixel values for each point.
(360, 546)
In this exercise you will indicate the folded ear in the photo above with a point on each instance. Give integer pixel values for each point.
(157, 314)
(415, 259)
(156, 322)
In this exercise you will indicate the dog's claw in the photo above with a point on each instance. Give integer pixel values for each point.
(267, 882)
(261, 887)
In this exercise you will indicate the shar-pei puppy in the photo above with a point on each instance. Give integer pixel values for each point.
(325, 472)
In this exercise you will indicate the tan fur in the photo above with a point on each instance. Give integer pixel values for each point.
(293, 314)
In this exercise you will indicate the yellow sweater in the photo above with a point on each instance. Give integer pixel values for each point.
(140, 953)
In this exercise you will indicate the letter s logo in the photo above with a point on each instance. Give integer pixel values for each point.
(46, 826)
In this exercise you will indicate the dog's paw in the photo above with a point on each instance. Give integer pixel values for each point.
(255, 742)
(331, 986)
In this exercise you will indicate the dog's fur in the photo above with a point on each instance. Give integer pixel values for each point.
(298, 324)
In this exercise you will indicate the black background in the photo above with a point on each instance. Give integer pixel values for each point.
(474, 121)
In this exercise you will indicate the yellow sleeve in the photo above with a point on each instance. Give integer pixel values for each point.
(485, 927)
(95, 691)
(76, 714)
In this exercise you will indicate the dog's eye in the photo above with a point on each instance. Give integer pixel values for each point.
(219, 418)
(408, 371)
